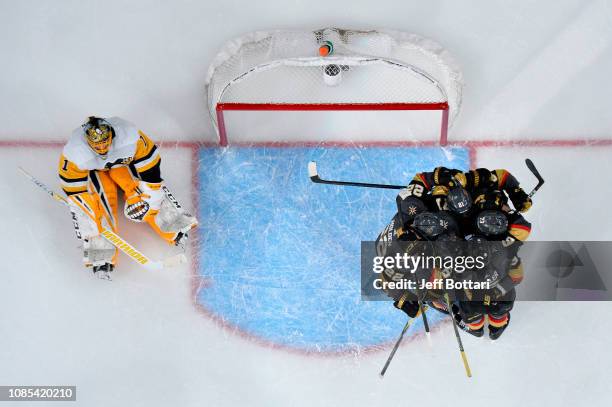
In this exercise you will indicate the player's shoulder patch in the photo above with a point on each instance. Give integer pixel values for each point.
(501, 176)
(126, 138)
(77, 151)
(126, 132)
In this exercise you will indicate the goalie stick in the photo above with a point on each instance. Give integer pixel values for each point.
(115, 239)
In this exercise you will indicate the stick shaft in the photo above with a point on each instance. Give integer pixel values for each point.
(466, 365)
(45, 188)
(424, 316)
(398, 342)
(395, 347)
(314, 177)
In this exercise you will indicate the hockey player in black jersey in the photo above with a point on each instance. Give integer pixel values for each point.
(475, 182)
(478, 202)
(498, 233)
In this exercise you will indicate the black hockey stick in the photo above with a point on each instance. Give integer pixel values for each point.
(422, 308)
(314, 177)
(536, 173)
(397, 344)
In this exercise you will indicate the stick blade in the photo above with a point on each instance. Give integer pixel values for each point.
(174, 261)
(530, 165)
(533, 170)
(536, 173)
(312, 170)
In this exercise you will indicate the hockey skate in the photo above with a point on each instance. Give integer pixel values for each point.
(496, 332)
(104, 271)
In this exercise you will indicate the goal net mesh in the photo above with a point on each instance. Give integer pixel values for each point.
(380, 69)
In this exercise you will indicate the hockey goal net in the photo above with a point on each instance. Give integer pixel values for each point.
(373, 85)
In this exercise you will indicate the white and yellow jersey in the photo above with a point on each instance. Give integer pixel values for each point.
(130, 147)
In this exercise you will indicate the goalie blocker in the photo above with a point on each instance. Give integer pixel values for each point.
(102, 157)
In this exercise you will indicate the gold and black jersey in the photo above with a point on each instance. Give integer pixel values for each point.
(144, 165)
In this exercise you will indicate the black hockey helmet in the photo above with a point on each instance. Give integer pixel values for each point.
(428, 224)
(409, 207)
(492, 222)
(477, 245)
(476, 239)
(432, 225)
(459, 200)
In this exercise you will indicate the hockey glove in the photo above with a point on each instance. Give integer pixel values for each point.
(449, 177)
(520, 199)
(144, 200)
(411, 308)
(493, 295)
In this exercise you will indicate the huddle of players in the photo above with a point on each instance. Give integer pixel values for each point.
(447, 206)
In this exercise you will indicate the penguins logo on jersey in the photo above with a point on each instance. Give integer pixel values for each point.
(118, 161)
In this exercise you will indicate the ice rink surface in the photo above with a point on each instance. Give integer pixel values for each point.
(259, 316)
(224, 336)
(274, 255)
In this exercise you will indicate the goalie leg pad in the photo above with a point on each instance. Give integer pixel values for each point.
(97, 251)
(171, 221)
(106, 190)
(91, 213)
(86, 214)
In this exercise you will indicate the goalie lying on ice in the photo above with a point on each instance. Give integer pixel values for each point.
(101, 155)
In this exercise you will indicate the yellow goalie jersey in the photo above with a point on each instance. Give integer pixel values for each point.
(130, 147)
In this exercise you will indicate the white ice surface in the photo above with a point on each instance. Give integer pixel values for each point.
(139, 340)
(532, 69)
(574, 202)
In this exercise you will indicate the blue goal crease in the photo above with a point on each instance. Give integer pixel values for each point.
(283, 253)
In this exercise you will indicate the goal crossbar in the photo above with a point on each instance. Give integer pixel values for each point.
(232, 106)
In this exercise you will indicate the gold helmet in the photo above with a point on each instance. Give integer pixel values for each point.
(99, 134)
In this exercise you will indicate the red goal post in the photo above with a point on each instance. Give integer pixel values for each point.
(377, 71)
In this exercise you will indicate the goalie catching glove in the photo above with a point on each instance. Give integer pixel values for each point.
(155, 205)
(144, 200)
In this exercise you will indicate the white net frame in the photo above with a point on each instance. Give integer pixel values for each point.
(378, 70)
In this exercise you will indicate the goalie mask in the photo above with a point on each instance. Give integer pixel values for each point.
(99, 134)
(492, 223)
